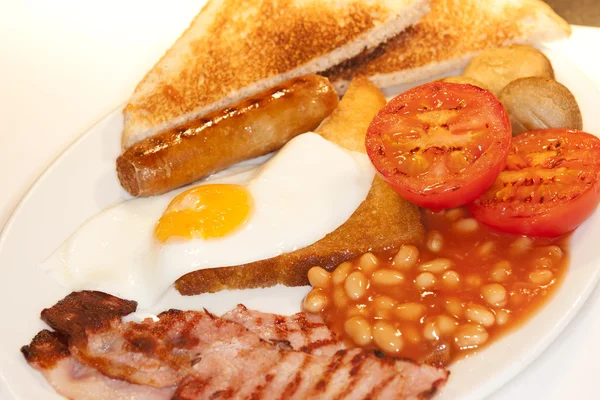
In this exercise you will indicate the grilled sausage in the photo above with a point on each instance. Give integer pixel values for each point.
(253, 127)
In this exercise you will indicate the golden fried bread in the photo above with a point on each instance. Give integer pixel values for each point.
(346, 125)
(236, 48)
(382, 221)
(447, 37)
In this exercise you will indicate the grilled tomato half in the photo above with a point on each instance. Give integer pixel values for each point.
(549, 187)
(441, 144)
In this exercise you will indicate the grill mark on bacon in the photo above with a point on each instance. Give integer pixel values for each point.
(304, 332)
(357, 362)
(311, 347)
(330, 370)
(256, 395)
(377, 389)
(281, 327)
(193, 384)
(295, 383)
(222, 394)
(185, 340)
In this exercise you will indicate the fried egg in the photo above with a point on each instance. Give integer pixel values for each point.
(137, 249)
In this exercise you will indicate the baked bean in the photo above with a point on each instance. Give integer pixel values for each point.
(319, 278)
(451, 279)
(454, 307)
(359, 330)
(501, 271)
(487, 248)
(410, 311)
(430, 330)
(407, 257)
(340, 300)
(340, 274)
(494, 294)
(436, 327)
(425, 280)
(446, 324)
(315, 301)
(387, 277)
(502, 317)
(387, 338)
(356, 285)
(466, 225)
(541, 277)
(384, 302)
(521, 245)
(480, 314)
(543, 262)
(469, 336)
(368, 263)
(554, 252)
(434, 241)
(436, 266)
(454, 214)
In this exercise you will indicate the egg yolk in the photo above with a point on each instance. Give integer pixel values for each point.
(208, 211)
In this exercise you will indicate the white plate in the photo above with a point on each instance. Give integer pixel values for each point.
(83, 181)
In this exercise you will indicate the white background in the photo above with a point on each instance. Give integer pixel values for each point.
(65, 64)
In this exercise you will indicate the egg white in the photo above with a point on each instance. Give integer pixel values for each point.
(308, 189)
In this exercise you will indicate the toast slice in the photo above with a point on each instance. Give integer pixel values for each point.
(449, 36)
(236, 48)
(383, 221)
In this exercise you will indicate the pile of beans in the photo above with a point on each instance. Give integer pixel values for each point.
(464, 286)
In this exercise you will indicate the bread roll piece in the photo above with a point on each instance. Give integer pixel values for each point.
(383, 221)
(253, 127)
(464, 80)
(496, 68)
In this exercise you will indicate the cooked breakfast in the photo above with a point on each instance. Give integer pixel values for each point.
(428, 226)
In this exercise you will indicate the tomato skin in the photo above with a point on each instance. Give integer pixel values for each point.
(480, 125)
(562, 220)
(557, 219)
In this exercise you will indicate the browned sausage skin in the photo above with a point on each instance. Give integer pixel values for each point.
(253, 127)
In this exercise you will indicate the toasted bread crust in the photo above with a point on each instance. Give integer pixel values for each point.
(235, 48)
(383, 221)
(454, 30)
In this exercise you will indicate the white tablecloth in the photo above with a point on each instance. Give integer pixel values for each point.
(64, 64)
